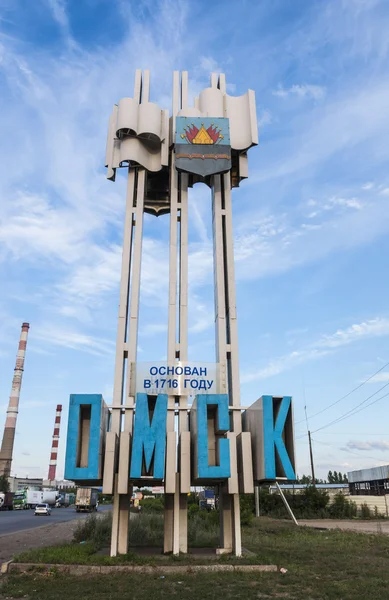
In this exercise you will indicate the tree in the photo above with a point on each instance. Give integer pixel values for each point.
(345, 478)
(330, 477)
(4, 484)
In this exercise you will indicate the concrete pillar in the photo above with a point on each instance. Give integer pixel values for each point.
(127, 333)
(175, 504)
(227, 340)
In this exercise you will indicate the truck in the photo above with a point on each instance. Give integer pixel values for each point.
(6, 500)
(65, 499)
(207, 499)
(86, 499)
(30, 498)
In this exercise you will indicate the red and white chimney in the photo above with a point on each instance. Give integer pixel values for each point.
(7, 445)
(54, 446)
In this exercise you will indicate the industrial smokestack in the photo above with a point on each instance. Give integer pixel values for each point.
(54, 446)
(7, 445)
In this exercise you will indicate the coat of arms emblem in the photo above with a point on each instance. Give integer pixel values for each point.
(202, 145)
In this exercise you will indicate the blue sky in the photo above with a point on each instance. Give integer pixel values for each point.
(310, 223)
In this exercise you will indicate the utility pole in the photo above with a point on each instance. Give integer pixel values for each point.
(311, 456)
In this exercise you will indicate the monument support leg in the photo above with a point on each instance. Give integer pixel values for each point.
(175, 513)
(225, 509)
(168, 523)
(183, 523)
(227, 334)
(121, 342)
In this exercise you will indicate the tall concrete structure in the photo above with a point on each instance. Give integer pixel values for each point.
(54, 445)
(7, 445)
(179, 423)
(139, 138)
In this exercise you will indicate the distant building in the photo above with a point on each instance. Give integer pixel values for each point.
(369, 482)
(58, 484)
(17, 484)
(298, 488)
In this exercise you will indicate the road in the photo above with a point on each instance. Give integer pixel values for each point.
(13, 521)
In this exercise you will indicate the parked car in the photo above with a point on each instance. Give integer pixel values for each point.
(43, 509)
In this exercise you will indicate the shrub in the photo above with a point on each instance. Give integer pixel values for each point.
(365, 511)
(342, 508)
(193, 509)
(152, 505)
(204, 528)
(247, 508)
(95, 529)
(146, 530)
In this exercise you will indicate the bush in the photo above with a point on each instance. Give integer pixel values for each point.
(193, 509)
(312, 503)
(204, 528)
(146, 530)
(342, 508)
(152, 505)
(247, 508)
(95, 529)
(365, 511)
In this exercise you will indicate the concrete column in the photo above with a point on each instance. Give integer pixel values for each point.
(227, 340)
(121, 339)
(127, 333)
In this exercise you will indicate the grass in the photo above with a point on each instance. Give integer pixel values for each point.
(326, 565)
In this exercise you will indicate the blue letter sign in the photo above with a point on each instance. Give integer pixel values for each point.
(204, 469)
(149, 438)
(272, 433)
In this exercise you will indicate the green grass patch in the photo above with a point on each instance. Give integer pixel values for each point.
(326, 565)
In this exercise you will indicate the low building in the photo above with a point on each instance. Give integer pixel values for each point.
(369, 482)
(59, 484)
(18, 484)
(298, 488)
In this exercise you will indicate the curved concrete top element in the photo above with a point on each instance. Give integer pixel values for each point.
(139, 120)
(138, 134)
(240, 110)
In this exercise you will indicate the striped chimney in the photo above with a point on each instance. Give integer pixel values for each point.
(7, 445)
(54, 446)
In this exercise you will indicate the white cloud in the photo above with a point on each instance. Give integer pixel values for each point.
(372, 328)
(368, 186)
(301, 91)
(385, 192)
(75, 340)
(321, 347)
(380, 378)
(283, 363)
(363, 446)
(58, 9)
(358, 116)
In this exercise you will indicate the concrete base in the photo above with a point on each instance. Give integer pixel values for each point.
(220, 551)
(82, 570)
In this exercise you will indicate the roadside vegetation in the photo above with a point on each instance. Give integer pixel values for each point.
(326, 565)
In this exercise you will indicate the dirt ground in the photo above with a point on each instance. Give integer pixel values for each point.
(47, 535)
(358, 526)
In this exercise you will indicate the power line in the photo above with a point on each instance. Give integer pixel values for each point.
(353, 411)
(346, 395)
(352, 433)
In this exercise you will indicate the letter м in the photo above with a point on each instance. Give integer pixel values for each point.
(149, 438)
(272, 438)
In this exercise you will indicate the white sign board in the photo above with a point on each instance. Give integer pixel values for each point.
(179, 378)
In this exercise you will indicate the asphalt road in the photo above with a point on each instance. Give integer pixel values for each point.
(12, 521)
